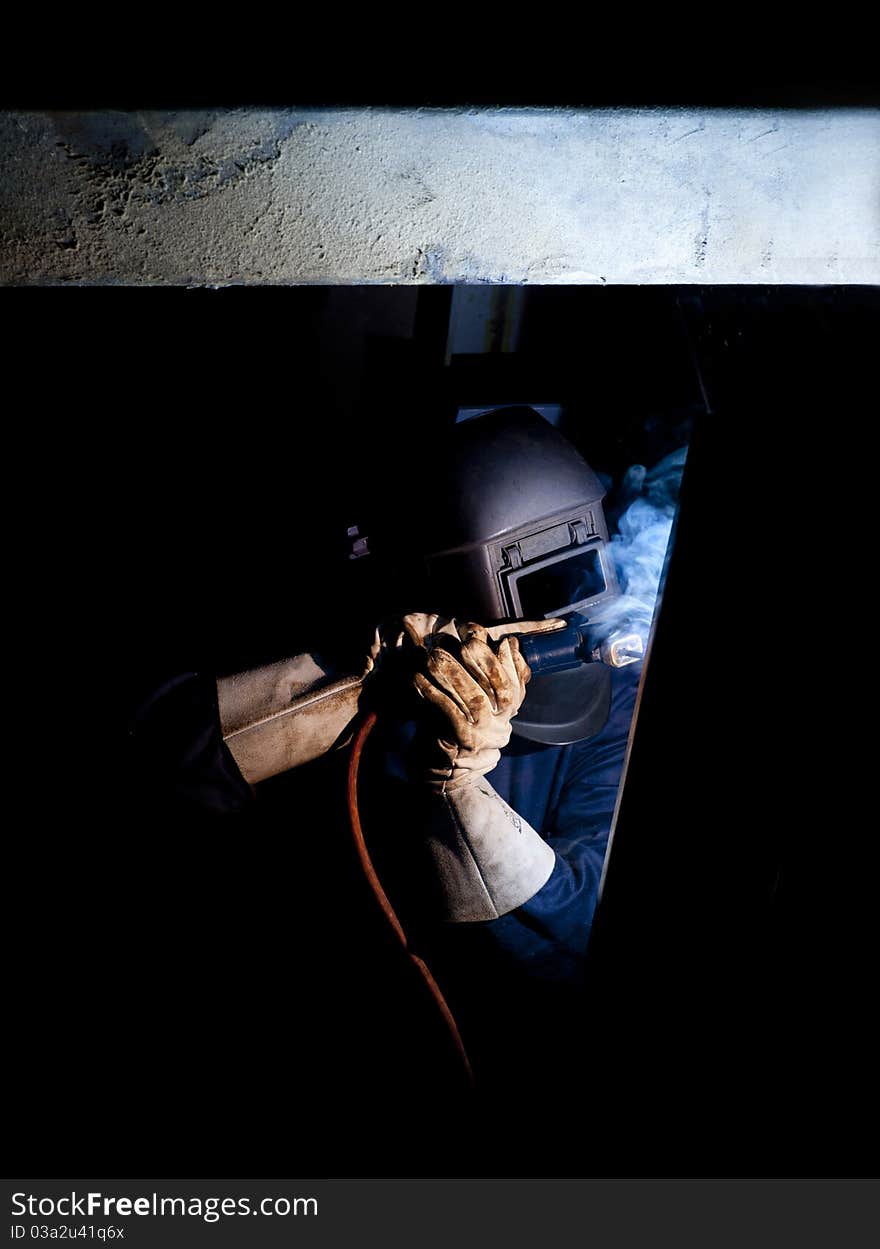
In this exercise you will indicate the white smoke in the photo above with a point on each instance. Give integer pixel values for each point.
(639, 547)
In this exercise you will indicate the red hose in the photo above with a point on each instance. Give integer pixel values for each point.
(382, 898)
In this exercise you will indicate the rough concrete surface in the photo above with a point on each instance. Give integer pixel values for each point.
(218, 197)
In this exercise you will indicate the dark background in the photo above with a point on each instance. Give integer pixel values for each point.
(186, 465)
(393, 55)
(151, 434)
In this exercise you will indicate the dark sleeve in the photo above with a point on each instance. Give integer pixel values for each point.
(548, 936)
(177, 761)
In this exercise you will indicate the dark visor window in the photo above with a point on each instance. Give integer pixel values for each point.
(557, 585)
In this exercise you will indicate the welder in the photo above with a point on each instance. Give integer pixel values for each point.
(486, 791)
(488, 796)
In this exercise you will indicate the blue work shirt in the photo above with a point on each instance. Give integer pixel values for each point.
(568, 794)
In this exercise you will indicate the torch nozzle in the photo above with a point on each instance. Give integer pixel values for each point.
(620, 649)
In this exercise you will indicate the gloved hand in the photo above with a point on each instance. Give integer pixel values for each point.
(287, 713)
(485, 859)
(476, 689)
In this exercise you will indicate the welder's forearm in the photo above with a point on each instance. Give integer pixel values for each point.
(549, 935)
(285, 714)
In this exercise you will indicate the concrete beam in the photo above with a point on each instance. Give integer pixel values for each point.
(218, 197)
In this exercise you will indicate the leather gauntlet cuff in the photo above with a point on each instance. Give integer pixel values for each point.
(285, 714)
(486, 859)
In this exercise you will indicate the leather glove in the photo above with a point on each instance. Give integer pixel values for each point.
(288, 713)
(485, 859)
(476, 689)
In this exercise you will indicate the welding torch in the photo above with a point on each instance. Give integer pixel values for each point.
(576, 644)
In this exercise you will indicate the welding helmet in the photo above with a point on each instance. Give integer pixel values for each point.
(509, 526)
